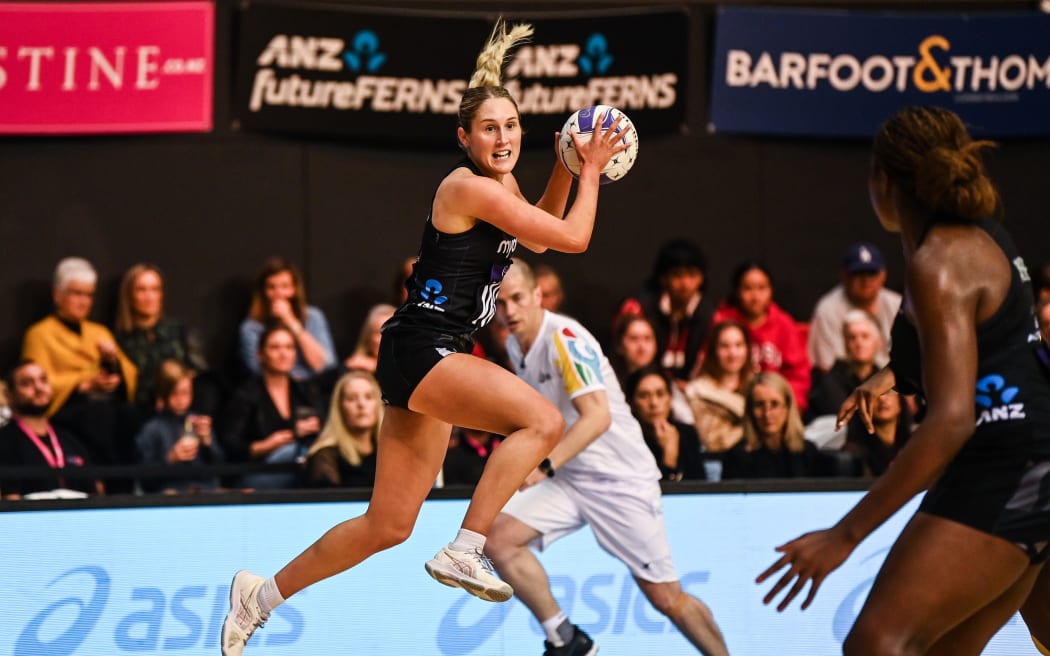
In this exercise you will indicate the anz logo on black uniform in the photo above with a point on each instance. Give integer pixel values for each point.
(995, 401)
(432, 295)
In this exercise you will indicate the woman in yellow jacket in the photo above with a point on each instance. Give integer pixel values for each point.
(93, 380)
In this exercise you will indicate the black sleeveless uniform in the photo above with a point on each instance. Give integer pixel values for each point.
(451, 294)
(999, 482)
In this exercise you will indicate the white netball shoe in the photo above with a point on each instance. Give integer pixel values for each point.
(245, 615)
(469, 570)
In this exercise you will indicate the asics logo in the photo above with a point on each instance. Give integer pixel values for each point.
(462, 566)
(146, 619)
(612, 603)
(89, 611)
(244, 616)
(469, 567)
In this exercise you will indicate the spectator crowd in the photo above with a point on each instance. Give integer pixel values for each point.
(722, 388)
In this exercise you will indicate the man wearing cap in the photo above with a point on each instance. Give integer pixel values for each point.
(862, 287)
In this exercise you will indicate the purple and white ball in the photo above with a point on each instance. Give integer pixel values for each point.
(582, 122)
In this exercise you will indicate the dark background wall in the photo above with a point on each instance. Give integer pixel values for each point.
(208, 208)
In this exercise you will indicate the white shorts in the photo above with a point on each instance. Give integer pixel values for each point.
(626, 517)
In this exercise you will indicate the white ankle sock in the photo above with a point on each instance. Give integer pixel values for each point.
(550, 627)
(467, 540)
(269, 596)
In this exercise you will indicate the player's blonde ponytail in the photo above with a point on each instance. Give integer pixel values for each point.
(488, 71)
(487, 82)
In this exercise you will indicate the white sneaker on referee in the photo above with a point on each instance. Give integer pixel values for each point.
(245, 615)
(469, 570)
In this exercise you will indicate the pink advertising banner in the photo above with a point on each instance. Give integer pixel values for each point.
(106, 67)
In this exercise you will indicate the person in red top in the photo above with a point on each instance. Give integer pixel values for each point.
(776, 341)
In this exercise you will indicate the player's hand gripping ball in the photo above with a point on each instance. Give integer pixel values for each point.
(582, 122)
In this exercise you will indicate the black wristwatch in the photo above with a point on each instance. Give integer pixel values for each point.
(547, 468)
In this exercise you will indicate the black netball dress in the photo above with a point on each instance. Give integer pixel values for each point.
(451, 294)
(999, 482)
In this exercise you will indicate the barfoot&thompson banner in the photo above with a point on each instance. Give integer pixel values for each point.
(841, 73)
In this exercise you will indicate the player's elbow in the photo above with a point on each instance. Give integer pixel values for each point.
(603, 420)
(535, 248)
(574, 244)
(595, 419)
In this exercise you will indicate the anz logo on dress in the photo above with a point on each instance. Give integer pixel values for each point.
(994, 401)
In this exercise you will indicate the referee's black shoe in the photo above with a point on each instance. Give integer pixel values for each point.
(580, 645)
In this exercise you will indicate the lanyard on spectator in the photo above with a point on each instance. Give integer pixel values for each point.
(54, 460)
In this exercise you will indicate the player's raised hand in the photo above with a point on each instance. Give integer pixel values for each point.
(863, 399)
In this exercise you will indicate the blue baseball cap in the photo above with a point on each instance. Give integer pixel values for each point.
(863, 257)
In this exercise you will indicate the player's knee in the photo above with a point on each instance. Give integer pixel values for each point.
(868, 639)
(504, 542)
(669, 600)
(663, 603)
(389, 534)
(550, 424)
(497, 550)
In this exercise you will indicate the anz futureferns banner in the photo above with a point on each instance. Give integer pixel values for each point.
(155, 581)
(842, 73)
(401, 75)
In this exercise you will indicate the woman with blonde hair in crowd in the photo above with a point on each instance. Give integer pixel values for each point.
(344, 454)
(147, 335)
(280, 295)
(429, 378)
(716, 394)
(774, 444)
